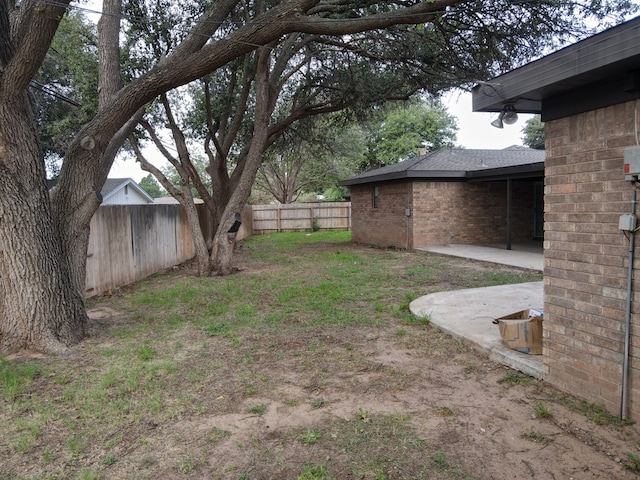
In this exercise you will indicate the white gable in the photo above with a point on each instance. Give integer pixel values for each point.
(127, 192)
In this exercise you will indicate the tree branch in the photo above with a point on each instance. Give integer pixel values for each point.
(422, 12)
(155, 171)
(184, 156)
(204, 29)
(27, 32)
(109, 80)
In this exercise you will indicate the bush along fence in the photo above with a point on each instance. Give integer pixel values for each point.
(130, 242)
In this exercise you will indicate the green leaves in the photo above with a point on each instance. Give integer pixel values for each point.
(66, 86)
(534, 133)
(406, 130)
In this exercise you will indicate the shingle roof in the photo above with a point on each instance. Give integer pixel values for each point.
(596, 72)
(458, 163)
(112, 184)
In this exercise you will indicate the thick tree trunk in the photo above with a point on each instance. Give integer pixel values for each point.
(222, 250)
(40, 306)
(222, 255)
(202, 252)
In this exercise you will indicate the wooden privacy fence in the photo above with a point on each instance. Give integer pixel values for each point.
(130, 242)
(301, 217)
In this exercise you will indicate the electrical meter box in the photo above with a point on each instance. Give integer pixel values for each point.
(627, 222)
(632, 163)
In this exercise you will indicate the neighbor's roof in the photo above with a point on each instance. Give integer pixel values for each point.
(460, 164)
(113, 185)
(596, 72)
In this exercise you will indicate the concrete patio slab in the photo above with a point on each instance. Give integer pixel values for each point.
(522, 256)
(468, 314)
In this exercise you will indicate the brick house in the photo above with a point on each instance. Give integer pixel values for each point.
(587, 95)
(450, 196)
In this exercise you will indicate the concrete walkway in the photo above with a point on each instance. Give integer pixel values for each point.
(468, 313)
(528, 256)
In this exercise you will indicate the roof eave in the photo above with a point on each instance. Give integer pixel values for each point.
(409, 174)
(128, 181)
(607, 63)
(504, 173)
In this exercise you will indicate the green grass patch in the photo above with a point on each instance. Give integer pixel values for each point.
(633, 463)
(314, 472)
(540, 410)
(536, 437)
(310, 436)
(258, 409)
(593, 411)
(15, 377)
(517, 378)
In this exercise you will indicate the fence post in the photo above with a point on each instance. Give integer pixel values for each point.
(311, 209)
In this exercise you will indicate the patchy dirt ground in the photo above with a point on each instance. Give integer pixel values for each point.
(292, 400)
(458, 405)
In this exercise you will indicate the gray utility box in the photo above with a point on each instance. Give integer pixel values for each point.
(632, 163)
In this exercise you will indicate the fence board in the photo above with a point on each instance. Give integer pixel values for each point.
(301, 217)
(130, 242)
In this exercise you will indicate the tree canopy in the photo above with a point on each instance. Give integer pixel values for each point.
(533, 131)
(151, 186)
(408, 130)
(65, 87)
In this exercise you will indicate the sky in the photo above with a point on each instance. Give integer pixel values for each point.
(474, 131)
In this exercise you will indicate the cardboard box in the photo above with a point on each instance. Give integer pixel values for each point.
(522, 331)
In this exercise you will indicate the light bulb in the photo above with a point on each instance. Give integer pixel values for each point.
(510, 117)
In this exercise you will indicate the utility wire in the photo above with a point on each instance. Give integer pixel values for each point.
(49, 91)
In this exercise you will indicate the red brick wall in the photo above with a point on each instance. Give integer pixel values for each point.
(442, 213)
(385, 226)
(586, 257)
(471, 213)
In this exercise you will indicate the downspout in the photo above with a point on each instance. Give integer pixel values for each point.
(627, 327)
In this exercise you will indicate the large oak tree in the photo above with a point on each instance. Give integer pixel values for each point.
(44, 235)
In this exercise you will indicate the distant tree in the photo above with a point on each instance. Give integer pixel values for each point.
(199, 164)
(280, 174)
(534, 133)
(152, 187)
(312, 159)
(406, 130)
(335, 193)
(65, 89)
